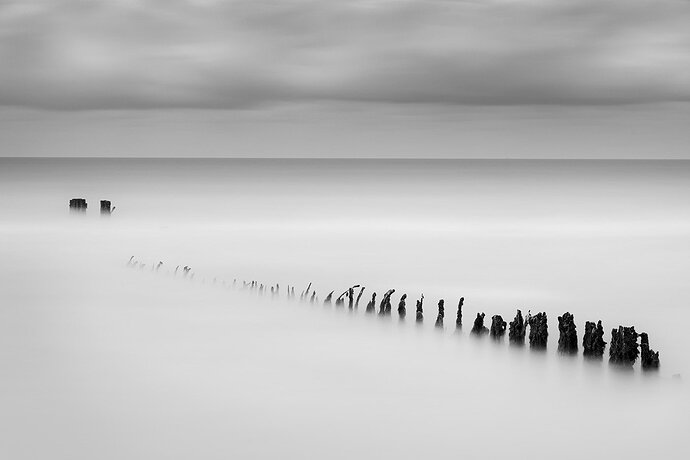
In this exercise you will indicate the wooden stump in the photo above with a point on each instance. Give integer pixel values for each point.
(371, 306)
(478, 326)
(650, 358)
(77, 205)
(458, 319)
(538, 331)
(517, 329)
(624, 349)
(420, 310)
(402, 311)
(593, 343)
(441, 314)
(567, 339)
(498, 327)
(105, 207)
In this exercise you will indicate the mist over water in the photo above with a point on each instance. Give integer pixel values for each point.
(99, 360)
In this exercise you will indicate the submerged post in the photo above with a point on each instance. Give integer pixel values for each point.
(371, 306)
(538, 331)
(420, 310)
(441, 314)
(624, 349)
(593, 343)
(359, 296)
(77, 205)
(458, 319)
(567, 339)
(517, 329)
(351, 296)
(650, 358)
(478, 326)
(402, 311)
(498, 327)
(105, 208)
(385, 307)
(327, 300)
(340, 302)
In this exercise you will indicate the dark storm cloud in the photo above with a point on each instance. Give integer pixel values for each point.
(69, 54)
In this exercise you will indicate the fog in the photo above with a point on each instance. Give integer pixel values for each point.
(101, 360)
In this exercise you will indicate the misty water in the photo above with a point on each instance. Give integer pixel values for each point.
(100, 360)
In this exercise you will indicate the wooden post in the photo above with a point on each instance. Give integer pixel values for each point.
(105, 208)
(77, 205)
(498, 327)
(593, 343)
(624, 349)
(538, 331)
(517, 329)
(478, 326)
(420, 310)
(371, 306)
(402, 311)
(650, 358)
(441, 314)
(567, 339)
(458, 319)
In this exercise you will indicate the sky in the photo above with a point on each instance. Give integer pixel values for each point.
(376, 78)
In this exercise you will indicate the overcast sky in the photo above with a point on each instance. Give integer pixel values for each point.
(478, 78)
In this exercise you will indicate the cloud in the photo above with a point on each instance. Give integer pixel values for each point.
(126, 54)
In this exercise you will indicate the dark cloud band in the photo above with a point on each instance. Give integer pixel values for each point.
(66, 54)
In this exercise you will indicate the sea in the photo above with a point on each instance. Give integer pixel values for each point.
(108, 350)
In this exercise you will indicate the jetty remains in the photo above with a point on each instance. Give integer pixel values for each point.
(441, 314)
(478, 326)
(78, 205)
(498, 327)
(538, 331)
(624, 349)
(650, 358)
(105, 208)
(593, 343)
(517, 329)
(567, 339)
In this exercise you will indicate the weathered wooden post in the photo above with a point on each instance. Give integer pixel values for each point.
(458, 319)
(351, 296)
(77, 205)
(498, 327)
(517, 329)
(567, 339)
(340, 302)
(388, 308)
(327, 301)
(650, 358)
(385, 306)
(305, 294)
(441, 314)
(538, 330)
(593, 343)
(105, 208)
(359, 296)
(624, 349)
(478, 326)
(371, 306)
(420, 310)
(402, 311)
